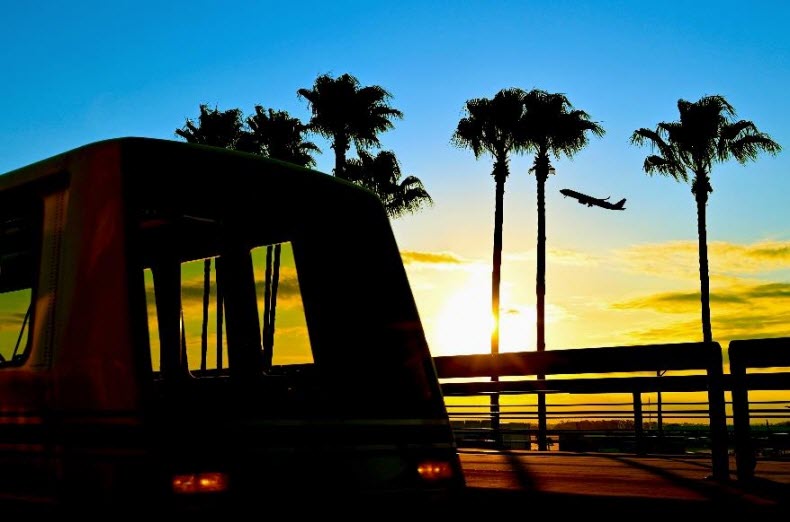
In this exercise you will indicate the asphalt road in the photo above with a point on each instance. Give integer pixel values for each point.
(620, 482)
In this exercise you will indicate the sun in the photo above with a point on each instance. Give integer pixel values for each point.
(464, 324)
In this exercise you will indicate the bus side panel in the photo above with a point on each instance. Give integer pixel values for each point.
(97, 386)
(93, 361)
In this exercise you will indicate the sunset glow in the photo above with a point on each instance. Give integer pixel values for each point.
(612, 278)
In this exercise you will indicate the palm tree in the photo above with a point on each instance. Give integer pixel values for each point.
(277, 135)
(492, 126)
(706, 134)
(344, 112)
(382, 175)
(214, 128)
(550, 126)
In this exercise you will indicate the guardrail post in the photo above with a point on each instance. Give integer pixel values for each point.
(639, 433)
(496, 427)
(542, 427)
(744, 451)
(718, 416)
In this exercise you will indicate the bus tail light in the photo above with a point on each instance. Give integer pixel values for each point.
(434, 470)
(189, 483)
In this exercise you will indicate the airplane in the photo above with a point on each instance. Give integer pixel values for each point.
(590, 201)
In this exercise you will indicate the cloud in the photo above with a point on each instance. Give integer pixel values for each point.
(739, 311)
(434, 258)
(681, 258)
(726, 327)
(11, 321)
(571, 257)
(685, 302)
(557, 256)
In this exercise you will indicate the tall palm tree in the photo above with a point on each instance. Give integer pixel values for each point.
(382, 175)
(277, 135)
(492, 125)
(707, 133)
(550, 126)
(345, 113)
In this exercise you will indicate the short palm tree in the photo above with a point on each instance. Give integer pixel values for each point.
(382, 175)
(345, 113)
(550, 126)
(706, 133)
(491, 126)
(277, 135)
(214, 128)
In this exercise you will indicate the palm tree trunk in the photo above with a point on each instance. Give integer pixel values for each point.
(273, 302)
(495, 283)
(267, 289)
(540, 291)
(341, 147)
(718, 422)
(220, 312)
(704, 280)
(204, 329)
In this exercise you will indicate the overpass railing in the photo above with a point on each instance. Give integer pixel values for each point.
(746, 355)
(703, 358)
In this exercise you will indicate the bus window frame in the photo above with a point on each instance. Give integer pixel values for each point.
(32, 207)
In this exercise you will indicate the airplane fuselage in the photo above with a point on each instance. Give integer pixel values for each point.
(584, 199)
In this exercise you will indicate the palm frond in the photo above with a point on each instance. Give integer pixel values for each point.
(551, 125)
(381, 174)
(749, 146)
(660, 165)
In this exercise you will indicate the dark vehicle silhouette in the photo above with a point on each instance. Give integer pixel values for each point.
(111, 391)
(584, 199)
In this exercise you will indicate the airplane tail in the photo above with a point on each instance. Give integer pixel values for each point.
(620, 205)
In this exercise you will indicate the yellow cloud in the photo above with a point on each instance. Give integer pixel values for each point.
(571, 257)
(738, 311)
(775, 295)
(440, 258)
(557, 256)
(726, 327)
(681, 258)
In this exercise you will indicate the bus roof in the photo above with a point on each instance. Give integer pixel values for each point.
(147, 160)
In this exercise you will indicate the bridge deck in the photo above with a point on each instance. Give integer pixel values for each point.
(622, 480)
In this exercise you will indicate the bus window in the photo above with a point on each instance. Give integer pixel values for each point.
(14, 325)
(19, 235)
(283, 326)
(285, 331)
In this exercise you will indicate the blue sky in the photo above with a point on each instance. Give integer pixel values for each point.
(82, 71)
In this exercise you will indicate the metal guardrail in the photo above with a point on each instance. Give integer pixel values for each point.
(610, 426)
(705, 358)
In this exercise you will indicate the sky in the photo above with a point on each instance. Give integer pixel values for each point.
(78, 72)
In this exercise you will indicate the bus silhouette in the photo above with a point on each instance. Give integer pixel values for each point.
(185, 326)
